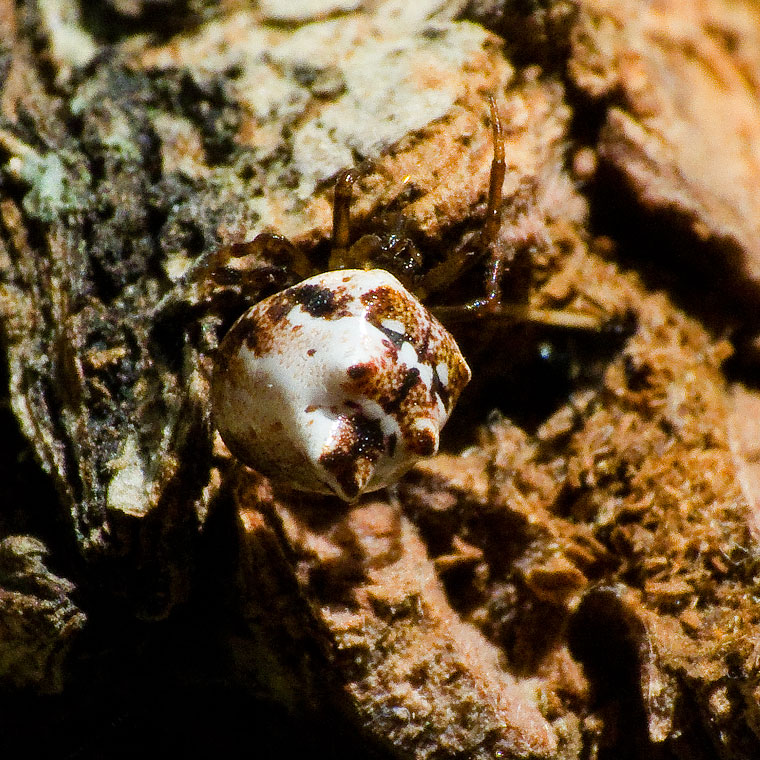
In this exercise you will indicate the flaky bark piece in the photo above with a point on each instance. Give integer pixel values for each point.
(622, 524)
(409, 671)
(680, 88)
(744, 436)
(39, 622)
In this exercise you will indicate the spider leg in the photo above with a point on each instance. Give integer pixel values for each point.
(472, 251)
(496, 182)
(392, 250)
(486, 243)
(340, 256)
(515, 313)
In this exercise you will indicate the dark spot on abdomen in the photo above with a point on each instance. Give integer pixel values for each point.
(279, 307)
(369, 443)
(441, 391)
(361, 441)
(317, 300)
(411, 378)
(359, 371)
(422, 443)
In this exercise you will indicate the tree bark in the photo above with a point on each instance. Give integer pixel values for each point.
(573, 575)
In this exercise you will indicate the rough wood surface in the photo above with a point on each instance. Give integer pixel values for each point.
(574, 575)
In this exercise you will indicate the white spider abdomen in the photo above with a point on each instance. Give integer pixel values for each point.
(338, 384)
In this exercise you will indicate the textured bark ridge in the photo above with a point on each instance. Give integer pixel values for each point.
(681, 128)
(574, 575)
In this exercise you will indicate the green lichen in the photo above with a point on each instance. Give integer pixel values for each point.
(52, 192)
(55, 186)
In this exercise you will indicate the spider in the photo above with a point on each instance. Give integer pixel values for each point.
(340, 383)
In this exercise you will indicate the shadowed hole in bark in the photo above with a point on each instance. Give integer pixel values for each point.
(603, 637)
(527, 372)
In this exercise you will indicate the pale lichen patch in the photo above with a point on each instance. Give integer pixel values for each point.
(128, 490)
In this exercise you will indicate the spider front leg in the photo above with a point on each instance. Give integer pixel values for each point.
(443, 274)
(344, 255)
(268, 262)
(392, 250)
(341, 232)
(486, 243)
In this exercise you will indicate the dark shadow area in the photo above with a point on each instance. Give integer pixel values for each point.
(527, 372)
(29, 503)
(159, 719)
(110, 22)
(601, 638)
(701, 277)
